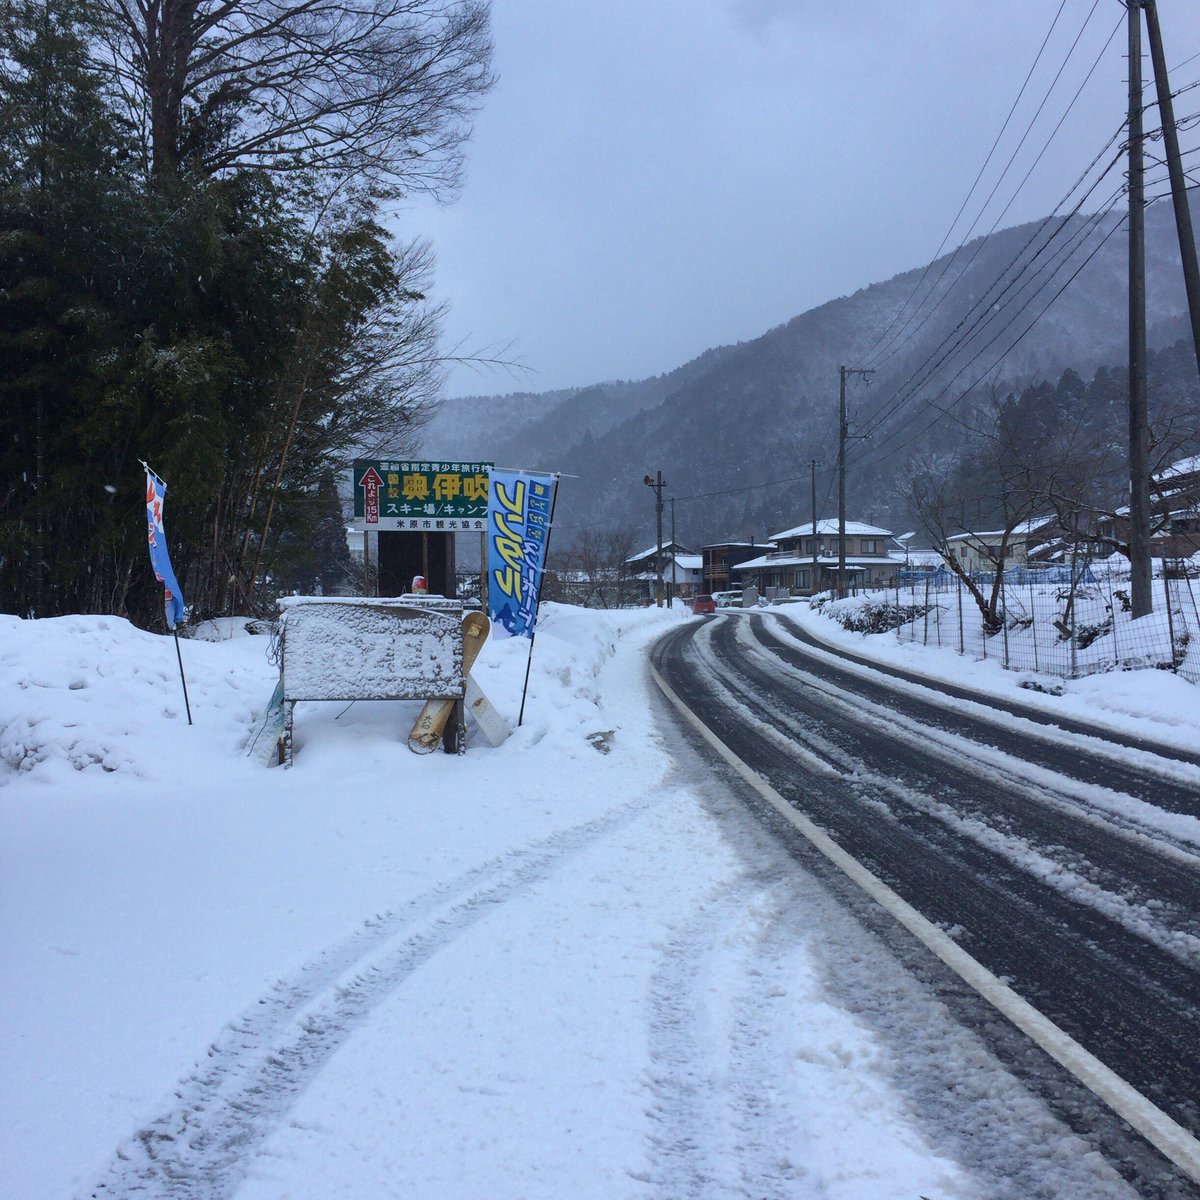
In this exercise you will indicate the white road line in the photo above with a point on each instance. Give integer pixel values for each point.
(1159, 1129)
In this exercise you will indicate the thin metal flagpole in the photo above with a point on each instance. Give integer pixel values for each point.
(182, 677)
(533, 631)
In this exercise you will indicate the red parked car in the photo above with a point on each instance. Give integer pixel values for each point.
(704, 604)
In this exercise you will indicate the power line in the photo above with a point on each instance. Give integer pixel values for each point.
(989, 297)
(892, 447)
(1091, 224)
(974, 185)
(895, 349)
(985, 298)
(750, 487)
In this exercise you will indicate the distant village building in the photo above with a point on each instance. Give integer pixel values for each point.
(682, 571)
(1037, 541)
(805, 559)
(915, 560)
(720, 559)
(1174, 513)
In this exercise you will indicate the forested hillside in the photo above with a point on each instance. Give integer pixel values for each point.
(1016, 309)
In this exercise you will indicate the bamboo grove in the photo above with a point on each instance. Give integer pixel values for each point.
(195, 272)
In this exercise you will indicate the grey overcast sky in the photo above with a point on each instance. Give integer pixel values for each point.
(650, 178)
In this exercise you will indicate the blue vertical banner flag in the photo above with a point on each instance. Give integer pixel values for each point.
(519, 508)
(160, 560)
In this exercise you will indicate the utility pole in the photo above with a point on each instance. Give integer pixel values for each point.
(1141, 591)
(1179, 196)
(674, 554)
(842, 589)
(841, 579)
(812, 466)
(657, 485)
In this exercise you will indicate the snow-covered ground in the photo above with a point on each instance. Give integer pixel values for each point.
(570, 966)
(1154, 704)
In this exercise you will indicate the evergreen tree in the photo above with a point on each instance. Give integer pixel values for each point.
(66, 199)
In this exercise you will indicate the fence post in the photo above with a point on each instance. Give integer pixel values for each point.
(1170, 614)
(1191, 632)
(961, 644)
(1004, 613)
(926, 614)
(899, 623)
(1192, 596)
(1074, 651)
(1112, 608)
(1033, 621)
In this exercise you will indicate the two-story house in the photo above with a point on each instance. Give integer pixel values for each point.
(806, 559)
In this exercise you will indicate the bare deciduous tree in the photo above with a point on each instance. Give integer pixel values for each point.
(381, 91)
(990, 497)
(593, 574)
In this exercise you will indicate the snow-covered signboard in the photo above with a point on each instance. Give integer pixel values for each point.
(358, 649)
(395, 494)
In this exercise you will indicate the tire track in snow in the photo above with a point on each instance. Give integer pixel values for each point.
(1117, 995)
(686, 1155)
(1166, 916)
(200, 1147)
(965, 1100)
(1028, 824)
(724, 1123)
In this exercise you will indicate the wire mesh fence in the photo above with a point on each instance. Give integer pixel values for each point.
(1067, 622)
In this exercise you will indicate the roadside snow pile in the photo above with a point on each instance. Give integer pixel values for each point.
(94, 694)
(1150, 703)
(99, 696)
(872, 612)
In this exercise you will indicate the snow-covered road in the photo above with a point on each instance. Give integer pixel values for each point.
(1081, 899)
(538, 971)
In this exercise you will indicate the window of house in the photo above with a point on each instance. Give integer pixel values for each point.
(810, 546)
(869, 545)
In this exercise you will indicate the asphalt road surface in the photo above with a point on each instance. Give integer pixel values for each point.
(1057, 860)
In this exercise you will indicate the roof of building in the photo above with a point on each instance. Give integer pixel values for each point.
(829, 527)
(919, 558)
(1185, 466)
(683, 562)
(829, 561)
(1020, 530)
(651, 551)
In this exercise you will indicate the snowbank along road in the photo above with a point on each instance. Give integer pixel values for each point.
(1056, 872)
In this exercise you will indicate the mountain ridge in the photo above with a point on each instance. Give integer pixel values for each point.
(741, 414)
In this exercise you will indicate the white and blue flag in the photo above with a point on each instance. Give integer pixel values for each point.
(160, 560)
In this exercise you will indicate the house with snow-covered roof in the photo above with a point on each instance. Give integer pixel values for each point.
(1174, 513)
(806, 559)
(722, 558)
(1027, 543)
(682, 570)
